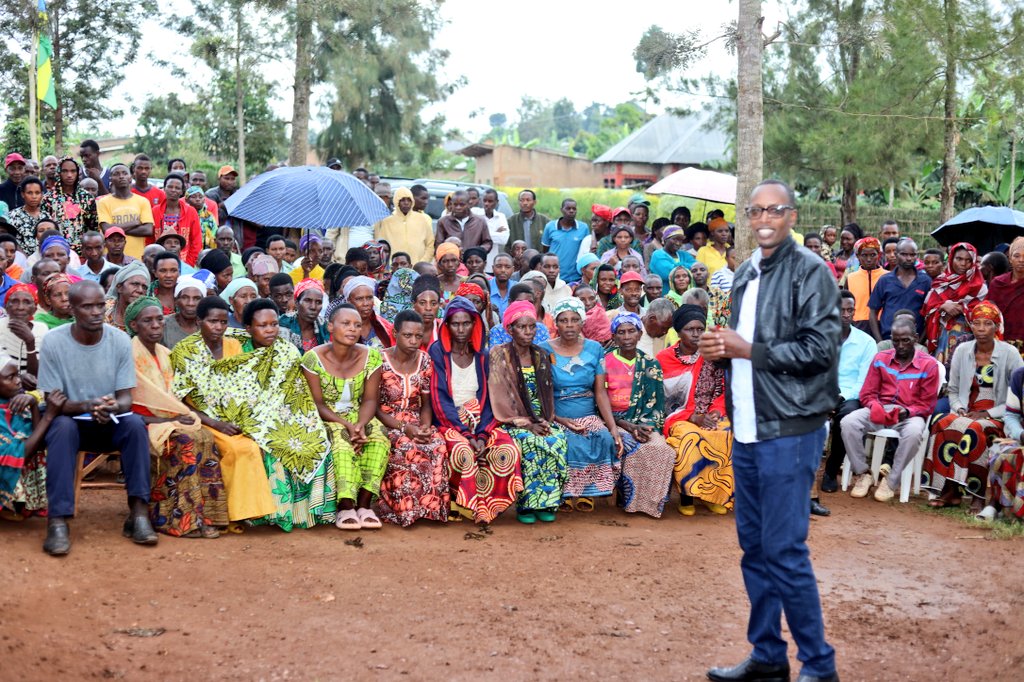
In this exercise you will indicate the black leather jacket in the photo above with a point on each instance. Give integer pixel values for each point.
(795, 353)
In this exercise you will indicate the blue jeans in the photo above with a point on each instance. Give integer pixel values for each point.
(773, 486)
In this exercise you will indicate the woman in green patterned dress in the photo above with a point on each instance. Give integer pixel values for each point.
(261, 393)
(344, 379)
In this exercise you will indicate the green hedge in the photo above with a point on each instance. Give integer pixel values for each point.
(916, 223)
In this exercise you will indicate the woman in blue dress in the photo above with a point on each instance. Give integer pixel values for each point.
(583, 408)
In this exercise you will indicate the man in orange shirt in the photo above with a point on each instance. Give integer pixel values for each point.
(862, 282)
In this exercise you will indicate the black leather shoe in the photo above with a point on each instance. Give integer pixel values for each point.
(829, 484)
(751, 671)
(818, 509)
(834, 677)
(140, 530)
(58, 538)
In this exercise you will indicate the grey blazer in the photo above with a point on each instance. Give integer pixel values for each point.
(961, 375)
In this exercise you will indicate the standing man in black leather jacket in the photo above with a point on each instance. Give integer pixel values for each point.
(782, 349)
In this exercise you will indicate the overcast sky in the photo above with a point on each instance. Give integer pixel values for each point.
(543, 48)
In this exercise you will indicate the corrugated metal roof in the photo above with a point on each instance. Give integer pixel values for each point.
(671, 139)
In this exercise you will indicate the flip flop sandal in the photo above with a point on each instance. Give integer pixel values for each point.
(348, 520)
(454, 517)
(235, 527)
(209, 532)
(584, 505)
(566, 506)
(368, 520)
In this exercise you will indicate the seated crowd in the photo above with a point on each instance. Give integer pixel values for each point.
(483, 364)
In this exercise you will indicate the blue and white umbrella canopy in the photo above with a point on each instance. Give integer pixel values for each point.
(306, 197)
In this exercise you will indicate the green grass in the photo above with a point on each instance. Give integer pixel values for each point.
(1000, 529)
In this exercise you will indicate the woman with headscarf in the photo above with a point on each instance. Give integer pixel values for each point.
(582, 407)
(310, 246)
(475, 260)
(670, 257)
(376, 331)
(1007, 293)
(238, 294)
(979, 378)
(414, 485)
(379, 260)
(1006, 459)
(218, 263)
(447, 259)
(399, 293)
(523, 401)
(680, 280)
(22, 445)
(696, 425)
(587, 265)
(127, 284)
(187, 499)
(55, 296)
(945, 307)
(188, 291)
(637, 399)
(307, 329)
(193, 362)
(863, 281)
(195, 198)
(57, 249)
(344, 378)
(606, 285)
(482, 458)
(70, 206)
(478, 297)
(260, 395)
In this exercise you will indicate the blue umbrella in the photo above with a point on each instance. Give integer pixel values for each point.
(984, 227)
(306, 197)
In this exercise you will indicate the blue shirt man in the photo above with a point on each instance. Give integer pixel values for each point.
(904, 288)
(563, 237)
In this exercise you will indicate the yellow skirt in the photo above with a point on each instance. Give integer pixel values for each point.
(703, 467)
(245, 477)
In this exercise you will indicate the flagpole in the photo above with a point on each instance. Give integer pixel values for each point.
(32, 105)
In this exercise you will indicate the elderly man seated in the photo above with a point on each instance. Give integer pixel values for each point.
(92, 364)
(899, 392)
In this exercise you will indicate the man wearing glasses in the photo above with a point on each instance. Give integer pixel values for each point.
(781, 348)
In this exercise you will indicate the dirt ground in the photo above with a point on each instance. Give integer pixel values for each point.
(908, 595)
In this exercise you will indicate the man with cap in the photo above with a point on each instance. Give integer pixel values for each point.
(527, 225)
(10, 194)
(407, 231)
(631, 289)
(227, 184)
(176, 244)
(334, 164)
(114, 241)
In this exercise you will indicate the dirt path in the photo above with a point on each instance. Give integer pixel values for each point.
(603, 595)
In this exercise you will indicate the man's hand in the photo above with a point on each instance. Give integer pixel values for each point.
(719, 344)
(55, 401)
(186, 419)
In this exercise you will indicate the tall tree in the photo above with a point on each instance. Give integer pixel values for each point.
(92, 44)
(750, 112)
(379, 60)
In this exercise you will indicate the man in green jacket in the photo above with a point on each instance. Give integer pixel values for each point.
(527, 225)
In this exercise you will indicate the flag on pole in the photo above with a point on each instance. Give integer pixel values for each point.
(44, 67)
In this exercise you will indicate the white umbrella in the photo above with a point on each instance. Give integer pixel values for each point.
(698, 184)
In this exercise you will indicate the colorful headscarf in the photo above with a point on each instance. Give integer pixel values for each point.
(949, 286)
(136, 307)
(189, 282)
(134, 269)
(55, 239)
(569, 304)
(263, 264)
(626, 317)
(377, 247)
(208, 279)
(671, 231)
(601, 211)
(987, 310)
(468, 288)
(193, 190)
(461, 304)
(305, 285)
(516, 311)
(51, 282)
(398, 296)
(21, 286)
(237, 285)
(867, 243)
(353, 284)
(309, 238)
(445, 249)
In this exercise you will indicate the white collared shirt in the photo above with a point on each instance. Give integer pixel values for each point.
(744, 424)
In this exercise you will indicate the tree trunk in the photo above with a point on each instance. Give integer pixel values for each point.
(56, 61)
(750, 116)
(239, 96)
(849, 205)
(1013, 164)
(951, 135)
(303, 77)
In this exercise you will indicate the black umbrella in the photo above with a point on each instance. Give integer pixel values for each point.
(983, 226)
